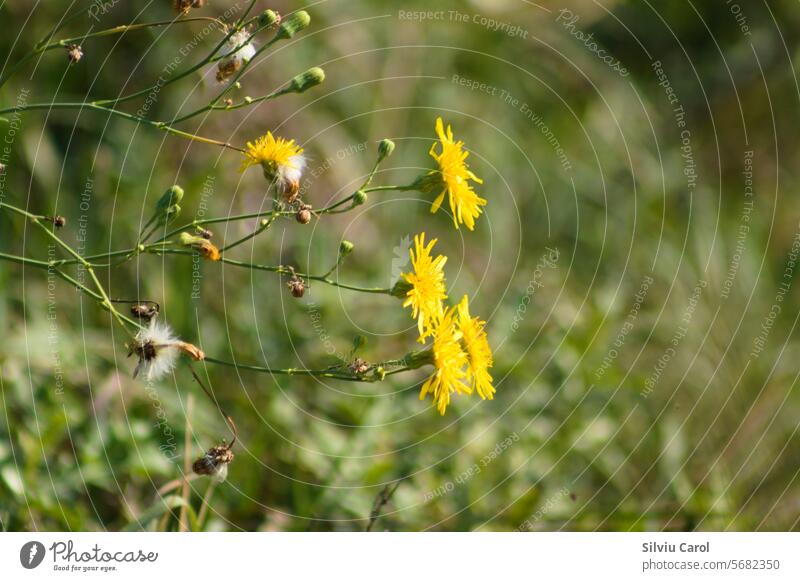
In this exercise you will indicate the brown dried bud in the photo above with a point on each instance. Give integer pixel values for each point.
(59, 221)
(74, 53)
(359, 366)
(191, 350)
(290, 190)
(144, 311)
(214, 463)
(227, 68)
(297, 286)
(205, 233)
(184, 6)
(303, 214)
(229, 102)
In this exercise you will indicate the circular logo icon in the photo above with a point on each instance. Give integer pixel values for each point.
(31, 554)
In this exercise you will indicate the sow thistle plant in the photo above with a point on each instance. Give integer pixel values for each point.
(454, 343)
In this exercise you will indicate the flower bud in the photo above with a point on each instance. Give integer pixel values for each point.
(380, 373)
(345, 248)
(359, 198)
(268, 18)
(385, 149)
(171, 197)
(294, 24)
(301, 83)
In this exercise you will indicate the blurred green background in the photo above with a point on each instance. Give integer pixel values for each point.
(634, 263)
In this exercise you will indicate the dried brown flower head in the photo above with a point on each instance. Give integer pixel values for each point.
(74, 53)
(303, 215)
(214, 463)
(297, 286)
(359, 366)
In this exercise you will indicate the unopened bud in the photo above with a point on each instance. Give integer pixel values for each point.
(345, 248)
(359, 198)
(171, 197)
(301, 83)
(268, 18)
(385, 149)
(293, 24)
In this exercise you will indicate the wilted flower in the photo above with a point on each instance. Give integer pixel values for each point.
(424, 288)
(184, 6)
(479, 353)
(303, 215)
(158, 349)
(203, 245)
(74, 53)
(214, 463)
(282, 161)
(238, 50)
(297, 286)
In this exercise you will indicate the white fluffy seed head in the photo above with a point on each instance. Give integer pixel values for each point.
(246, 52)
(157, 350)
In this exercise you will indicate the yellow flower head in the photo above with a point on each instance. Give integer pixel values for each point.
(465, 204)
(479, 353)
(281, 159)
(449, 359)
(427, 285)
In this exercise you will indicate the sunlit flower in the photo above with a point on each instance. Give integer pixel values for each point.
(281, 160)
(238, 50)
(158, 349)
(426, 285)
(455, 176)
(479, 353)
(449, 359)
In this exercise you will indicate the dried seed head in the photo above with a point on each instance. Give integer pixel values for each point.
(359, 366)
(191, 350)
(227, 68)
(297, 286)
(303, 215)
(214, 463)
(144, 311)
(74, 53)
(184, 6)
(59, 221)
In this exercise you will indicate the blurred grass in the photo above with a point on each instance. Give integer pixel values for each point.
(712, 447)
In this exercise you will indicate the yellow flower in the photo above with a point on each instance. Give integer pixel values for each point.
(465, 204)
(281, 159)
(479, 353)
(449, 359)
(427, 285)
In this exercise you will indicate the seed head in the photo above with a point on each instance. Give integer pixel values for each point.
(297, 286)
(145, 311)
(74, 53)
(214, 463)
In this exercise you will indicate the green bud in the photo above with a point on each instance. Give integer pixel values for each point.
(401, 288)
(294, 24)
(170, 215)
(301, 83)
(187, 239)
(359, 198)
(268, 18)
(385, 149)
(171, 197)
(380, 373)
(345, 248)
